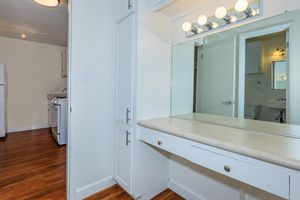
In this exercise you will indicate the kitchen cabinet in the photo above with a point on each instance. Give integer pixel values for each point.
(124, 8)
(123, 156)
(124, 71)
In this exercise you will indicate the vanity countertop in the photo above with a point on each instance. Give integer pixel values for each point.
(276, 149)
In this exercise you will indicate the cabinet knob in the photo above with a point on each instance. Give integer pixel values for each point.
(227, 168)
(159, 142)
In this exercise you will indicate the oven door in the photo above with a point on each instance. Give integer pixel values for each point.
(55, 121)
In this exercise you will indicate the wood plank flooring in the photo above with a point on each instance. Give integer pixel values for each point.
(33, 166)
(117, 193)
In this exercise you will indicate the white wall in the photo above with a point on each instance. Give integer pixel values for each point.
(90, 149)
(33, 71)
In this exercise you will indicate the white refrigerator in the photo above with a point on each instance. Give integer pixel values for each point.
(3, 99)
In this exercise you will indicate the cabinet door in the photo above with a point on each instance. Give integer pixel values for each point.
(124, 8)
(123, 157)
(124, 71)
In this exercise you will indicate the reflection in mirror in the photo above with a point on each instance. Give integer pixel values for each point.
(250, 72)
(266, 78)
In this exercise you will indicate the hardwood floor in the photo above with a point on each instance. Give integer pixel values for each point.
(117, 193)
(33, 166)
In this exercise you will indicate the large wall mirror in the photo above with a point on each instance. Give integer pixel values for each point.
(250, 72)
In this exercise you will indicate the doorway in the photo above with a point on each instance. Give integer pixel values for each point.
(263, 75)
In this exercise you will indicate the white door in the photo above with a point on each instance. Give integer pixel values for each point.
(124, 71)
(218, 75)
(123, 157)
(124, 8)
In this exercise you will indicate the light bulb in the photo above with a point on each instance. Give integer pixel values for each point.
(215, 25)
(221, 12)
(202, 20)
(233, 19)
(186, 26)
(254, 12)
(241, 5)
(200, 30)
(48, 3)
(23, 35)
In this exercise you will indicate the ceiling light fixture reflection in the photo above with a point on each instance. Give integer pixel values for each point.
(233, 19)
(215, 25)
(48, 3)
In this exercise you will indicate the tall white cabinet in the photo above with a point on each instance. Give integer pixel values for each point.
(139, 169)
(124, 93)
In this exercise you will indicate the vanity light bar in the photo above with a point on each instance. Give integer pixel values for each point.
(241, 11)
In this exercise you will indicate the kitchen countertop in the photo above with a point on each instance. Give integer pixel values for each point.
(276, 149)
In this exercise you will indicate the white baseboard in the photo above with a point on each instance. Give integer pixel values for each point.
(155, 191)
(27, 128)
(95, 187)
(184, 191)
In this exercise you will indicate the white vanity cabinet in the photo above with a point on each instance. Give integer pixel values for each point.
(124, 8)
(123, 155)
(124, 70)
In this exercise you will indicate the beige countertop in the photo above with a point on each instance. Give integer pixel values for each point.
(288, 130)
(277, 149)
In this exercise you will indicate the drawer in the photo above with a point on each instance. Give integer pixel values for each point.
(263, 178)
(164, 141)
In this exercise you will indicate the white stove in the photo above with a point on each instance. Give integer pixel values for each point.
(58, 119)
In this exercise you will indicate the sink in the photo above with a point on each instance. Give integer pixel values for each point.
(281, 105)
(57, 96)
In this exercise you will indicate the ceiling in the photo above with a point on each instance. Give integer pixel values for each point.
(39, 23)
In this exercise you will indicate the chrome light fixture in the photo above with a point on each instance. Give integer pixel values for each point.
(243, 6)
(48, 3)
(221, 13)
(202, 21)
(222, 17)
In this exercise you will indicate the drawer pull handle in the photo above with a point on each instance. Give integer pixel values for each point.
(159, 142)
(227, 168)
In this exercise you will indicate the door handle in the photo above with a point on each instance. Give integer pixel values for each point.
(129, 4)
(127, 116)
(229, 102)
(127, 138)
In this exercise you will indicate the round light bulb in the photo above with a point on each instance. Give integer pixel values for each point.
(202, 20)
(233, 19)
(48, 3)
(221, 12)
(186, 26)
(215, 25)
(23, 35)
(254, 12)
(241, 5)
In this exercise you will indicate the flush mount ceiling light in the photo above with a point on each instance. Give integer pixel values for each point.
(222, 17)
(48, 3)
